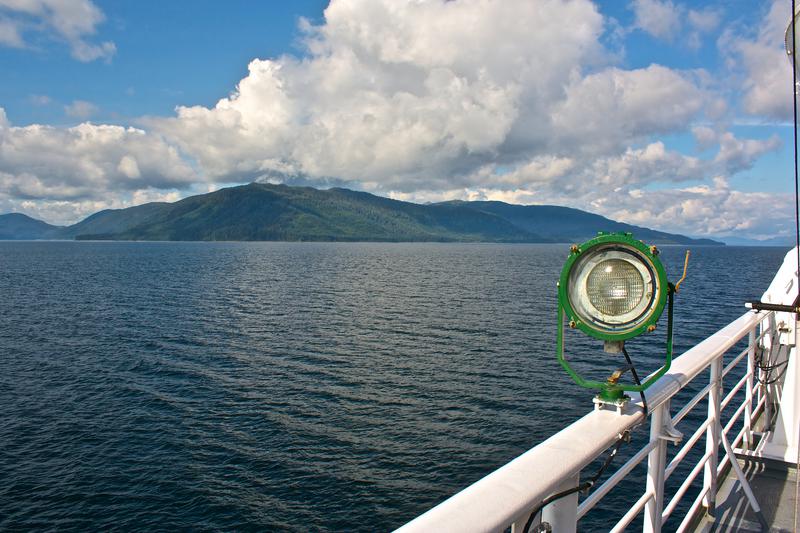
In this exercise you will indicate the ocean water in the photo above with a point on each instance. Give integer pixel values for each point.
(293, 386)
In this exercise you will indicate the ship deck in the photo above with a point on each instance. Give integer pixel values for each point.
(775, 487)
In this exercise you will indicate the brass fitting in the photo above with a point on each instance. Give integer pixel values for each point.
(651, 328)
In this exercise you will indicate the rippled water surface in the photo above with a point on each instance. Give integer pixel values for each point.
(290, 386)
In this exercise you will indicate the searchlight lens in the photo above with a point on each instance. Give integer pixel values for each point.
(614, 287)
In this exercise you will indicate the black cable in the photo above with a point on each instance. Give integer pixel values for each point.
(635, 378)
(773, 367)
(586, 485)
(775, 379)
(767, 369)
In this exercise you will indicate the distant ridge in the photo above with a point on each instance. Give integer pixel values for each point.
(266, 212)
(775, 241)
(16, 226)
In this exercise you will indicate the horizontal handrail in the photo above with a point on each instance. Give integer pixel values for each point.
(732, 393)
(510, 492)
(687, 447)
(691, 404)
(699, 357)
(685, 486)
(632, 512)
(689, 517)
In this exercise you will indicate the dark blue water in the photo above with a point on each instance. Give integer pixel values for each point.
(278, 386)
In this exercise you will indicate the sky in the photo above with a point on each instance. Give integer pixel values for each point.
(667, 114)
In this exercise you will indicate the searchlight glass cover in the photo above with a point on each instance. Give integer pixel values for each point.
(614, 288)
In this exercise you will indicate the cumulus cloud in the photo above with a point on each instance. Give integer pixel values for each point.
(710, 209)
(767, 72)
(713, 209)
(395, 98)
(85, 162)
(80, 109)
(10, 34)
(668, 21)
(71, 21)
(705, 20)
(396, 92)
(621, 187)
(736, 155)
(40, 100)
(705, 137)
(616, 107)
(65, 212)
(661, 19)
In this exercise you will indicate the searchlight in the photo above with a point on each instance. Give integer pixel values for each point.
(615, 288)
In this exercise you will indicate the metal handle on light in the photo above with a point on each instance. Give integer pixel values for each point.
(685, 266)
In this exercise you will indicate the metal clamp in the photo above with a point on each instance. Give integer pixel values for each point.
(670, 433)
(618, 404)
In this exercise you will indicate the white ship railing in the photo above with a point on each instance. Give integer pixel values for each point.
(507, 496)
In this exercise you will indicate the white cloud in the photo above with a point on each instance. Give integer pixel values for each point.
(40, 100)
(85, 162)
(616, 107)
(9, 34)
(768, 72)
(736, 155)
(128, 167)
(714, 209)
(397, 92)
(80, 109)
(65, 212)
(401, 96)
(672, 22)
(705, 20)
(71, 21)
(705, 137)
(661, 19)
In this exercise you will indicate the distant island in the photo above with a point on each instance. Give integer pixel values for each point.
(266, 212)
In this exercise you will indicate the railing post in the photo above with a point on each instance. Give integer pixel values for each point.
(748, 410)
(562, 514)
(656, 464)
(713, 436)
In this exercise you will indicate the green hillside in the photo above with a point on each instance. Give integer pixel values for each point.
(258, 212)
(265, 212)
(570, 225)
(110, 221)
(17, 227)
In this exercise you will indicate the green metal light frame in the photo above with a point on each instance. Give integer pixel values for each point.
(663, 297)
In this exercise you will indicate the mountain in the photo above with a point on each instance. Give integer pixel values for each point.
(775, 241)
(110, 221)
(261, 211)
(16, 226)
(573, 225)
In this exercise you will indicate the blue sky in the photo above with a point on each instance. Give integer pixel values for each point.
(656, 112)
(168, 54)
